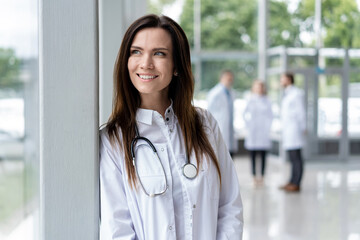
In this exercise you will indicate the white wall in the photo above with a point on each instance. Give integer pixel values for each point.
(68, 60)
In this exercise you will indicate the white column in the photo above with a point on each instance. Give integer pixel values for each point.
(344, 139)
(68, 60)
(262, 38)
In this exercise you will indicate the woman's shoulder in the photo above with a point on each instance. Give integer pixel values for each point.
(110, 144)
(202, 112)
(206, 117)
(106, 136)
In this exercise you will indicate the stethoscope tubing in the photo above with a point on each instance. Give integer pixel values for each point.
(189, 175)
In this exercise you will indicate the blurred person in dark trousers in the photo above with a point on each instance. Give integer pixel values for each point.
(293, 122)
(258, 118)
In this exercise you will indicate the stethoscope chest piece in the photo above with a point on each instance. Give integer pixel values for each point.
(189, 171)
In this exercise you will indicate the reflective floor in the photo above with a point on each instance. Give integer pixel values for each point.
(327, 207)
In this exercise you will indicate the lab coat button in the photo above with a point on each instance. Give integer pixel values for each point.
(194, 206)
(170, 227)
(162, 149)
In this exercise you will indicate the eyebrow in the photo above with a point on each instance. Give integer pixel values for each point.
(154, 49)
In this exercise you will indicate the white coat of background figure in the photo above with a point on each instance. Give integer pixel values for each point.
(220, 104)
(293, 125)
(258, 118)
(293, 118)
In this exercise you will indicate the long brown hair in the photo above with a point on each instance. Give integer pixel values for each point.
(127, 100)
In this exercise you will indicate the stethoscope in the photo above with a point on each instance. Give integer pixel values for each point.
(189, 170)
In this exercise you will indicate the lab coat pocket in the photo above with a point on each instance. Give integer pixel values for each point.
(152, 167)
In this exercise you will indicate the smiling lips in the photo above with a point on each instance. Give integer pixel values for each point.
(147, 77)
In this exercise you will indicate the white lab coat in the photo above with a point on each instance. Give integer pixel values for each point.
(258, 118)
(208, 211)
(219, 108)
(293, 119)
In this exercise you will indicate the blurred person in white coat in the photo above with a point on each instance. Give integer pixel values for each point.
(221, 105)
(258, 117)
(293, 121)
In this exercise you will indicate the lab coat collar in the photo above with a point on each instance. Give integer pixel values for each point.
(224, 87)
(289, 88)
(256, 96)
(146, 115)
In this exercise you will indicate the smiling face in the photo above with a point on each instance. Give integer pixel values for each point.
(150, 64)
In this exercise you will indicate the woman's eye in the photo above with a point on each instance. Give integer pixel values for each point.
(135, 52)
(159, 54)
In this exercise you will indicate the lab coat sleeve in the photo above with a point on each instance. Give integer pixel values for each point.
(217, 100)
(230, 214)
(246, 113)
(301, 115)
(213, 102)
(116, 221)
(270, 114)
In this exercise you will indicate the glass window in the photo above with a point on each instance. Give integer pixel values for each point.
(329, 106)
(18, 119)
(354, 105)
(301, 61)
(274, 61)
(244, 72)
(354, 113)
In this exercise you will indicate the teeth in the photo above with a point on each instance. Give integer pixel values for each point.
(146, 77)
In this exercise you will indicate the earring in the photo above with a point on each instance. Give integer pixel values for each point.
(176, 74)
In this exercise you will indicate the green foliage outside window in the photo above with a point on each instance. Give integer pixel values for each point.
(340, 21)
(283, 28)
(224, 24)
(9, 69)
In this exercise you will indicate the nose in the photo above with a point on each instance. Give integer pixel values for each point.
(147, 62)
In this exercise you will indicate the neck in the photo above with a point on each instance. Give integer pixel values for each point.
(157, 103)
(287, 86)
(225, 85)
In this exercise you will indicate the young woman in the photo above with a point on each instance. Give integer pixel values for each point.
(165, 172)
(258, 118)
